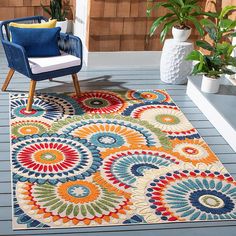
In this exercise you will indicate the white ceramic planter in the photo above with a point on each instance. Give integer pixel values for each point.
(63, 25)
(210, 85)
(181, 35)
(174, 69)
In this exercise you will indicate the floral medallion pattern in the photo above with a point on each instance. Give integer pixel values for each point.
(101, 102)
(123, 166)
(21, 127)
(53, 158)
(148, 95)
(107, 131)
(166, 117)
(180, 193)
(80, 202)
(51, 107)
(112, 158)
(193, 151)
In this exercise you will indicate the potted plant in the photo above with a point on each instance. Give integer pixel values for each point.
(218, 59)
(232, 78)
(180, 13)
(58, 9)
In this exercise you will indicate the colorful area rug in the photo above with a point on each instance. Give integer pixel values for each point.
(112, 158)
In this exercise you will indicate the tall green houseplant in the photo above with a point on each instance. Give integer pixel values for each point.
(220, 30)
(218, 60)
(180, 13)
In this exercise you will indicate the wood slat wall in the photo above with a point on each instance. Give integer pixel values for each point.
(10, 9)
(122, 25)
(114, 25)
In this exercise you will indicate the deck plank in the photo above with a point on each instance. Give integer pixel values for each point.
(112, 80)
(227, 227)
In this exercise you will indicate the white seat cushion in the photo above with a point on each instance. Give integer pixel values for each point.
(46, 64)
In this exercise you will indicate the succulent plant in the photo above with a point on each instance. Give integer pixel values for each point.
(57, 9)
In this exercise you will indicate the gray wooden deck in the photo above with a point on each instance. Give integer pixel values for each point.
(112, 80)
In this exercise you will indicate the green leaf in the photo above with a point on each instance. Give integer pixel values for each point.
(195, 69)
(224, 48)
(158, 22)
(233, 34)
(56, 10)
(208, 23)
(214, 73)
(171, 8)
(164, 33)
(211, 14)
(226, 10)
(193, 56)
(204, 45)
(59, 3)
(227, 24)
(227, 71)
(200, 66)
(175, 3)
(210, 62)
(197, 25)
(180, 2)
(192, 2)
(166, 29)
(232, 61)
(212, 33)
(215, 62)
(191, 7)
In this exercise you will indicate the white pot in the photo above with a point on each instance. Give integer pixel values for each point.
(210, 85)
(63, 25)
(181, 35)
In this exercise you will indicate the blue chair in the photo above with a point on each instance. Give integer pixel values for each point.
(69, 63)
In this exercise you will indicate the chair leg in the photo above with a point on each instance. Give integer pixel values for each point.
(8, 79)
(76, 85)
(31, 95)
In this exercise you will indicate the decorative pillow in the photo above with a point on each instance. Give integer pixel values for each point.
(37, 42)
(49, 24)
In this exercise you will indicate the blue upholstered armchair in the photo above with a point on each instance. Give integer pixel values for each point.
(37, 69)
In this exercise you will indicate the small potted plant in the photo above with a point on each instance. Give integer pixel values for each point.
(218, 59)
(58, 9)
(180, 13)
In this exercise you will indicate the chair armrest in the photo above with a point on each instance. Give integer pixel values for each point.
(71, 45)
(16, 57)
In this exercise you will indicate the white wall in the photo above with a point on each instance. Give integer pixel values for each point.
(80, 25)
